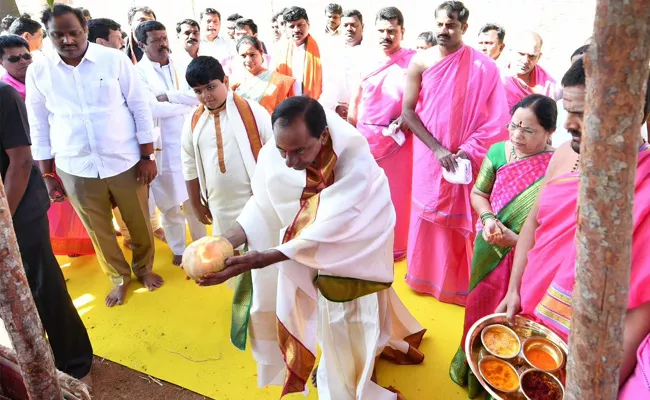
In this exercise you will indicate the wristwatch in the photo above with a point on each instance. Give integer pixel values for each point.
(150, 157)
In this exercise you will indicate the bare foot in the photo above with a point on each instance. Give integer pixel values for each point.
(151, 281)
(160, 234)
(118, 232)
(177, 260)
(128, 244)
(314, 377)
(88, 380)
(117, 295)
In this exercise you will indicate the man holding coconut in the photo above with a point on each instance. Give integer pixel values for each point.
(322, 219)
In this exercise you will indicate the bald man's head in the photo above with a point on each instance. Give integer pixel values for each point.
(526, 51)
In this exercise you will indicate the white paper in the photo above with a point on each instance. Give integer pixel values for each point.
(463, 174)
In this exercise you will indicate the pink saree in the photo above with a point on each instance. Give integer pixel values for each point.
(463, 105)
(380, 104)
(540, 83)
(67, 234)
(638, 384)
(551, 304)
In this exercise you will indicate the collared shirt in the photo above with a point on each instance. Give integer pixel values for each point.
(91, 118)
(298, 67)
(219, 48)
(335, 32)
(15, 83)
(14, 133)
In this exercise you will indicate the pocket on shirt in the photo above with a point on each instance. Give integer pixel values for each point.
(105, 92)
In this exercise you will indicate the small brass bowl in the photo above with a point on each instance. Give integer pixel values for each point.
(548, 378)
(503, 330)
(548, 347)
(505, 365)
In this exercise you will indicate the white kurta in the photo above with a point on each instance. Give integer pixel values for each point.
(170, 118)
(351, 237)
(226, 193)
(343, 75)
(168, 188)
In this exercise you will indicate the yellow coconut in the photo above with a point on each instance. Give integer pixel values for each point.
(206, 255)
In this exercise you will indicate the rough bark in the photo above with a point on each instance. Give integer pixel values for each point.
(18, 311)
(617, 71)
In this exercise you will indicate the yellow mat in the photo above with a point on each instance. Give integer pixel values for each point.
(180, 334)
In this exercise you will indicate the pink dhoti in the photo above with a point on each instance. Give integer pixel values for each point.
(463, 105)
(638, 384)
(382, 90)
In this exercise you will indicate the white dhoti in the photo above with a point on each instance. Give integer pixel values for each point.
(337, 232)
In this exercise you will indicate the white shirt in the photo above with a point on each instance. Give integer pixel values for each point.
(343, 72)
(169, 115)
(219, 48)
(91, 118)
(298, 67)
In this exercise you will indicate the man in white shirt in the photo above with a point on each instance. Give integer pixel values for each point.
(88, 110)
(212, 44)
(188, 33)
(174, 101)
(344, 75)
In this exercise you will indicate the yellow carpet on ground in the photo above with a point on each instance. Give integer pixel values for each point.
(180, 334)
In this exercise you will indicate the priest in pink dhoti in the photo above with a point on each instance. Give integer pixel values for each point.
(544, 271)
(321, 216)
(375, 110)
(455, 105)
(523, 75)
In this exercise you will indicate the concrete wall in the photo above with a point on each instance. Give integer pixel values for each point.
(564, 24)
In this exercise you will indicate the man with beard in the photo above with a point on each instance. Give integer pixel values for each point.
(344, 75)
(455, 124)
(543, 273)
(175, 102)
(105, 32)
(136, 16)
(491, 40)
(375, 110)
(102, 141)
(212, 44)
(189, 33)
(300, 57)
(320, 227)
(524, 76)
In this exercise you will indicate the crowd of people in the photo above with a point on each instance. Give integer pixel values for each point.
(324, 158)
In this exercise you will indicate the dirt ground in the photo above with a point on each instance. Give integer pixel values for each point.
(115, 382)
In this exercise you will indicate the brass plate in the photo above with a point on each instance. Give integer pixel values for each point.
(525, 328)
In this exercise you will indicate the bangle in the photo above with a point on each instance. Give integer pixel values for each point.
(487, 215)
(48, 175)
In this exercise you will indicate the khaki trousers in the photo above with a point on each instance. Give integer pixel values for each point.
(90, 198)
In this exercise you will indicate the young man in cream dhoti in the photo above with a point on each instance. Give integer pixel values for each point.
(220, 143)
(321, 215)
(173, 104)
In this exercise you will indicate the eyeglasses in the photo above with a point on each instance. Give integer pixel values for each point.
(513, 127)
(15, 59)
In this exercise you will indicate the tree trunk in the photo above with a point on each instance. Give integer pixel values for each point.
(18, 311)
(8, 7)
(617, 71)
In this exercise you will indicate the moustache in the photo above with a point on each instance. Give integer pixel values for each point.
(443, 37)
(163, 48)
(386, 41)
(575, 133)
(192, 41)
